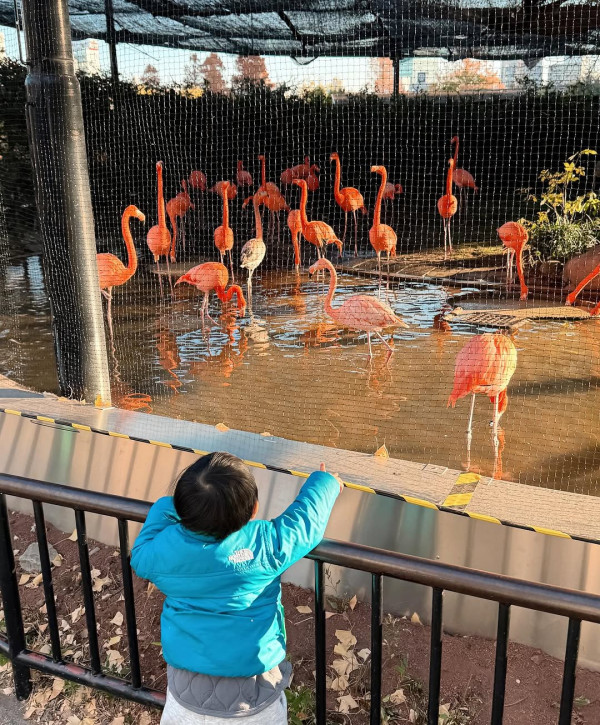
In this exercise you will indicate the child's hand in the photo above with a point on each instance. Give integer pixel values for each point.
(337, 478)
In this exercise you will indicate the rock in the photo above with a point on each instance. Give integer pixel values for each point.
(30, 558)
(579, 267)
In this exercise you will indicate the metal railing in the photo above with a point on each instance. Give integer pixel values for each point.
(506, 591)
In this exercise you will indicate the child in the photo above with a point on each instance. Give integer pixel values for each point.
(223, 633)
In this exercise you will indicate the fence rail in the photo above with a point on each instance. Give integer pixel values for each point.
(506, 591)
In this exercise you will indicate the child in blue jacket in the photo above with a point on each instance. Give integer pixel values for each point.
(223, 633)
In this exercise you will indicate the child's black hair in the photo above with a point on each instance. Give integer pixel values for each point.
(216, 495)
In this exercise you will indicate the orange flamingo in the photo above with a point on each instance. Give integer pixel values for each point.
(462, 178)
(253, 252)
(178, 206)
(484, 365)
(212, 277)
(447, 206)
(382, 237)
(317, 233)
(312, 180)
(390, 192)
(585, 281)
(348, 199)
(111, 271)
(274, 200)
(197, 180)
(231, 189)
(359, 312)
(224, 234)
(295, 224)
(514, 237)
(301, 171)
(158, 238)
(243, 177)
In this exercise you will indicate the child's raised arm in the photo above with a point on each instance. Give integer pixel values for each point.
(302, 525)
(161, 516)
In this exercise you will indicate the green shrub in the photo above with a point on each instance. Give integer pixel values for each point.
(561, 240)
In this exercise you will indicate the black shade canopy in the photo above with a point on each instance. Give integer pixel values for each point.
(493, 29)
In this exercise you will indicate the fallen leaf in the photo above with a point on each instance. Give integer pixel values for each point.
(415, 619)
(117, 619)
(118, 720)
(99, 584)
(330, 614)
(58, 560)
(221, 427)
(145, 719)
(352, 602)
(151, 587)
(339, 684)
(412, 716)
(381, 452)
(346, 637)
(397, 697)
(57, 688)
(303, 609)
(43, 627)
(346, 703)
(73, 720)
(115, 658)
(113, 640)
(76, 614)
(36, 581)
(364, 654)
(266, 434)
(73, 536)
(341, 667)
(24, 578)
(340, 649)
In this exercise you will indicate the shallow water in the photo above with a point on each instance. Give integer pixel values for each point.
(285, 368)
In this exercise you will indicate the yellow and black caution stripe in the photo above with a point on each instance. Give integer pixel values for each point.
(455, 503)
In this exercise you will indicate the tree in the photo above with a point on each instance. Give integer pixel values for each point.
(193, 76)
(384, 80)
(252, 71)
(150, 77)
(469, 75)
(211, 71)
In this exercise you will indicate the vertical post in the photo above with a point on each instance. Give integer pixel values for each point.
(57, 143)
(320, 652)
(12, 605)
(501, 662)
(568, 686)
(111, 39)
(396, 64)
(435, 659)
(376, 647)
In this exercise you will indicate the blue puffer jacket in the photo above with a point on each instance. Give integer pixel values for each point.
(223, 614)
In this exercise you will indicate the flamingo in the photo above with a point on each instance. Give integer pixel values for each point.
(178, 206)
(484, 365)
(274, 200)
(295, 224)
(111, 271)
(390, 192)
(158, 238)
(197, 180)
(514, 237)
(301, 171)
(585, 281)
(317, 233)
(312, 180)
(382, 237)
(231, 189)
(447, 206)
(243, 177)
(462, 178)
(253, 252)
(359, 312)
(348, 199)
(212, 277)
(223, 235)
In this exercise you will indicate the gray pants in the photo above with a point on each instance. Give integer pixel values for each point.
(175, 714)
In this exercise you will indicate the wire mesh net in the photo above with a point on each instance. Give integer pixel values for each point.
(246, 107)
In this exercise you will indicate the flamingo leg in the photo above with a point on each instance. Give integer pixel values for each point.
(345, 227)
(449, 237)
(231, 264)
(470, 424)
(379, 270)
(160, 284)
(182, 226)
(109, 313)
(445, 238)
(369, 341)
(384, 341)
(169, 274)
(495, 424)
(355, 233)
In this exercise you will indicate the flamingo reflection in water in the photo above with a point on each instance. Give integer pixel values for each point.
(168, 357)
(229, 357)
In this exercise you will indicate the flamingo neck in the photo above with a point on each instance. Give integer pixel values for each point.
(456, 151)
(161, 199)
(307, 160)
(338, 178)
(226, 295)
(377, 213)
(239, 165)
(303, 200)
(263, 173)
(225, 208)
(332, 285)
(524, 288)
(132, 261)
(257, 219)
(449, 179)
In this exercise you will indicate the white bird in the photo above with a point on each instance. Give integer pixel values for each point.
(253, 252)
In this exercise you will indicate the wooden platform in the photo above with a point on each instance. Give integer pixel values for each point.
(513, 319)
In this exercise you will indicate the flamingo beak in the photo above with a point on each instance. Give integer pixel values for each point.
(312, 269)
(339, 245)
(183, 278)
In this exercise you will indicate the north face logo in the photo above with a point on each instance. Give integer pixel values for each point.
(241, 555)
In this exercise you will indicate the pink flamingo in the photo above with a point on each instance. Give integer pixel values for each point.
(231, 189)
(158, 238)
(390, 192)
(584, 282)
(359, 312)
(312, 180)
(212, 277)
(111, 271)
(348, 199)
(253, 252)
(462, 178)
(197, 180)
(317, 233)
(243, 177)
(223, 235)
(447, 206)
(301, 171)
(514, 237)
(178, 206)
(274, 199)
(382, 237)
(294, 222)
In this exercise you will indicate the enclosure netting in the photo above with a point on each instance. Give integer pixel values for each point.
(524, 102)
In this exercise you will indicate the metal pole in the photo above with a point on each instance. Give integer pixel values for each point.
(111, 39)
(396, 63)
(57, 144)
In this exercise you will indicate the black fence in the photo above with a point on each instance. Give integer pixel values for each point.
(507, 591)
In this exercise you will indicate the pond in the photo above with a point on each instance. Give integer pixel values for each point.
(285, 368)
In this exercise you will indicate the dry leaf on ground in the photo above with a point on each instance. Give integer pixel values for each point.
(303, 609)
(364, 654)
(117, 619)
(346, 703)
(222, 428)
(346, 637)
(415, 619)
(397, 697)
(352, 602)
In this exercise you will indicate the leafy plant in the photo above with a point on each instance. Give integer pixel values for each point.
(301, 706)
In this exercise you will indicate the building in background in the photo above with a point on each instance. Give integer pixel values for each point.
(87, 56)
(2, 47)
